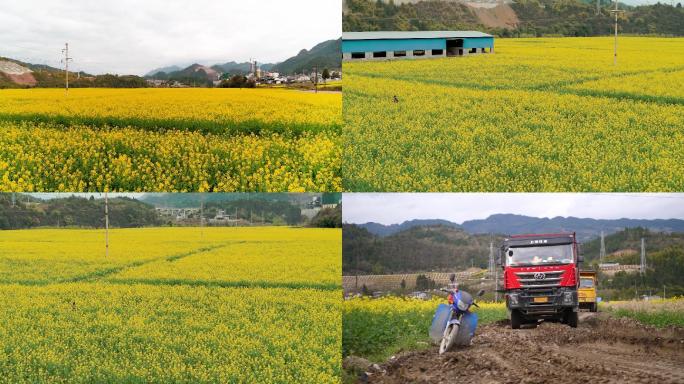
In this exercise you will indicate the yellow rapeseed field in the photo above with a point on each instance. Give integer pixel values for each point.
(169, 140)
(548, 114)
(68, 314)
(379, 328)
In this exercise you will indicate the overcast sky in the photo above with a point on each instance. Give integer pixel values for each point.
(136, 36)
(395, 208)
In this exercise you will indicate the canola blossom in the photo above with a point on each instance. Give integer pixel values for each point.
(169, 140)
(67, 315)
(538, 115)
(313, 262)
(376, 328)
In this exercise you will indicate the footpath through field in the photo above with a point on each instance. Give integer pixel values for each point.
(545, 114)
(174, 304)
(601, 350)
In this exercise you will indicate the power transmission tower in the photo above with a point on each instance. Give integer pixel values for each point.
(602, 255)
(616, 11)
(66, 60)
(642, 268)
(106, 225)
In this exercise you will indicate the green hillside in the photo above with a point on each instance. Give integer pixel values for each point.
(417, 249)
(25, 211)
(536, 18)
(664, 262)
(630, 239)
(324, 55)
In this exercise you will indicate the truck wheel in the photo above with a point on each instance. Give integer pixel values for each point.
(594, 308)
(516, 319)
(572, 318)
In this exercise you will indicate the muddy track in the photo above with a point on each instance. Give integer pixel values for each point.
(600, 350)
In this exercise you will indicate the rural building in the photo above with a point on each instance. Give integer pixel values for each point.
(411, 45)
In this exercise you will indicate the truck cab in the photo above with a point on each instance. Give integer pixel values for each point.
(587, 291)
(541, 278)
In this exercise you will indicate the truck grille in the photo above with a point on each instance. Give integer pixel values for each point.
(546, 279)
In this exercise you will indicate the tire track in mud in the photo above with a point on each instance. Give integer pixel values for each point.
(601, 350)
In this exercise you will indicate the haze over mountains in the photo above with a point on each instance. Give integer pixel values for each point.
(15, 73)
(323, 55)
(506, 224)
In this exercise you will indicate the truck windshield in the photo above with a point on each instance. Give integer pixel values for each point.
(549, 254)
(586, 283)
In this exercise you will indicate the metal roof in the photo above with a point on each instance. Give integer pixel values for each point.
(389, 35)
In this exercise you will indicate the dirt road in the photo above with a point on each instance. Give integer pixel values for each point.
(600, 350)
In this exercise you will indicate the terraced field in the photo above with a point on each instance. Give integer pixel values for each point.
(539, 115)
(169, 140)
(170, 305)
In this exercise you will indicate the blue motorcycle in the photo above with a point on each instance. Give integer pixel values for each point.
(454, 324)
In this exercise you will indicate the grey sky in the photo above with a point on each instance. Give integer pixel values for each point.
(394, 208)
(134, 37)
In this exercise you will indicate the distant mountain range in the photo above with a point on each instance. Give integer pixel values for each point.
(506, 224)
(169, 69)
(240, 68)
(388, 230)
(446, 248)
(18, 74)
(323, 55)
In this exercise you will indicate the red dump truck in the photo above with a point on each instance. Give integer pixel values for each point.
(541, 277)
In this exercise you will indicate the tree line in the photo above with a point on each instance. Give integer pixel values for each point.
(22, 212)
(418, 249)
(536, 18)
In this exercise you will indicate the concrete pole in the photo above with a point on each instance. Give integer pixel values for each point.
(106, 225)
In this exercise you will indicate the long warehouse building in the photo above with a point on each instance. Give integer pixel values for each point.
(420, 44)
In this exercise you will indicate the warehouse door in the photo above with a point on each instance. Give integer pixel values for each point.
(454, 47)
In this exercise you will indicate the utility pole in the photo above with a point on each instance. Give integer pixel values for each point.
(66, 60)
(602, 255)
(316, 79)
(496, 284)
(106, 225)
(642, 269)
(491, 260)
(598, 7)
(356, 284)
(201, 220)
(615, 11)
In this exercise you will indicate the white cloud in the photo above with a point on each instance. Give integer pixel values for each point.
(128, 36)
(392, 208)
